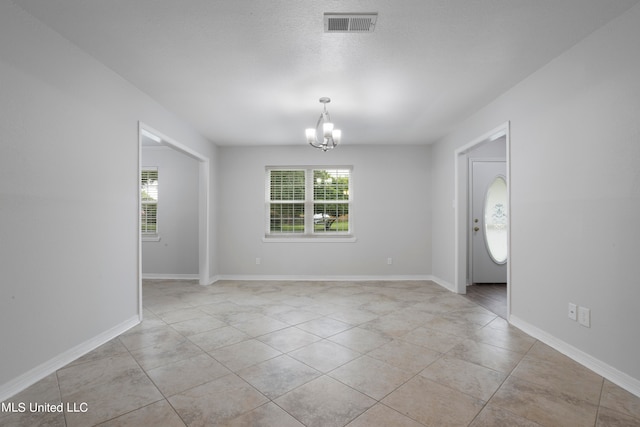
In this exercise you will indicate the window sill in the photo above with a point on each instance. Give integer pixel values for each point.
(343, 238)
(150, 237)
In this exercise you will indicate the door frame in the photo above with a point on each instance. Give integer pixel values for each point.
(203, 205)
(462, 206)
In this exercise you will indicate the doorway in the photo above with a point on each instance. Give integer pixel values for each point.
(466, 227)
(146, 134)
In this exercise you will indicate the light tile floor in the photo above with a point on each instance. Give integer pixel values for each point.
(323, 354)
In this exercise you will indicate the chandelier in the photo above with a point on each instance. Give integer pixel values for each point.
(329, 137)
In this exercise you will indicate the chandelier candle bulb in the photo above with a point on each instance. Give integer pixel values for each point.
(327, 130)
(337, 135)
(311, 135)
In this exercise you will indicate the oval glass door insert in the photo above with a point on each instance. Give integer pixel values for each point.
(495, 220)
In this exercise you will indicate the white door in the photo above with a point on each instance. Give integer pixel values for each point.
(488, 228)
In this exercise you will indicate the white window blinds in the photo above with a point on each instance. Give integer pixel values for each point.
(149, 200)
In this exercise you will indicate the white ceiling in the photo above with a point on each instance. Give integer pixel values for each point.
(251, 72)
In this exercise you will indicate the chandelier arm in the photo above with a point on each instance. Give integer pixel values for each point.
(317, 143)
(319, 124)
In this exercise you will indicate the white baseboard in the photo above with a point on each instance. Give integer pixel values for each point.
(627, 382)
(448, 286)
(354, 278)
(162, 276)
(34, 375)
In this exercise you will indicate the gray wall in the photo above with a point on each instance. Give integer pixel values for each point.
(391, 214)
(575, 196)
(68, 198)
(176, 253)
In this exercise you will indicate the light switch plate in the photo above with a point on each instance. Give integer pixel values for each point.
(584, 316)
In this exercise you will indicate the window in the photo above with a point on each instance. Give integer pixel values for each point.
(308, 202)
(149, 201)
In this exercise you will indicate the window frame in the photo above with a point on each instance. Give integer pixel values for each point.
(152, 236)
(309, 234)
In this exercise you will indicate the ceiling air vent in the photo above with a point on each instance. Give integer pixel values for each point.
(349, 22)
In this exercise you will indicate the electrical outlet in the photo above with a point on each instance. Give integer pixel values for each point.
(389, 261)
(573, 311)
(258, 261)
(584, 316)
